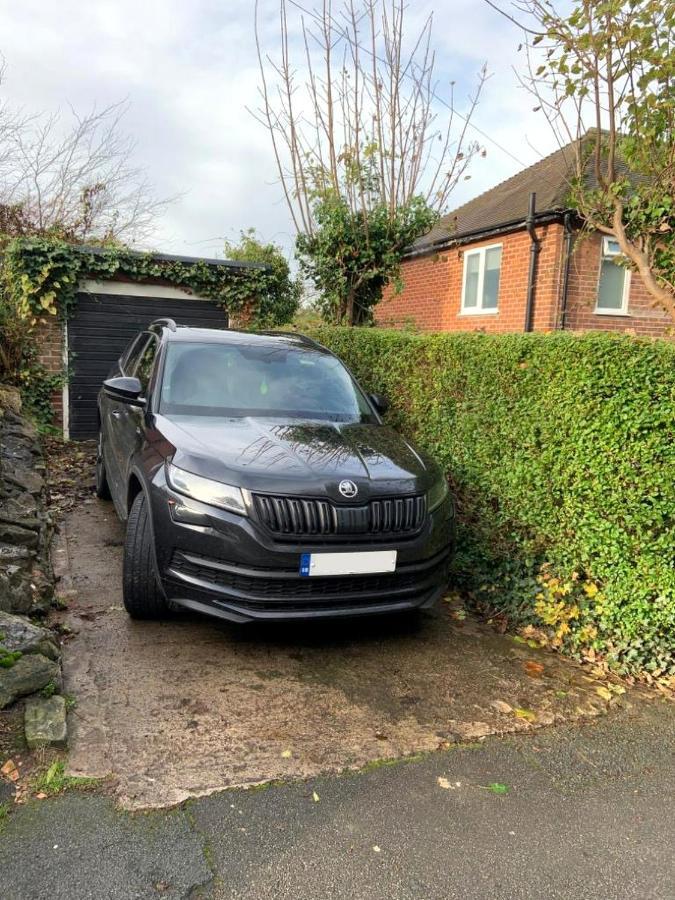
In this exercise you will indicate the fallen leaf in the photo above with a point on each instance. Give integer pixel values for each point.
(9, 770)
(41, 795)
(315, 797)
(532, 668)
(286, 754)
(501, 706)
(526, 714)
(444, 783)
(497, 788)
(603, 692)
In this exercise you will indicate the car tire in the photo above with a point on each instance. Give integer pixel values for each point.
(143, 596)
(102, 488)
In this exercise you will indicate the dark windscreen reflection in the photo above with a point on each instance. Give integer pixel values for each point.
(243, 380)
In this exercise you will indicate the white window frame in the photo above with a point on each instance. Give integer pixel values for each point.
(479, 310)
(606, 253)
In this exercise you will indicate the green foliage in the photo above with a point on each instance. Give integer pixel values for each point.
(49, 690)
(55, 781)
(351, 256)
(561, 450)
(9, 657)
(282, 299)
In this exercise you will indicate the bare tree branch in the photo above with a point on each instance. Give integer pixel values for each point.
(371, 131)
(74, 177)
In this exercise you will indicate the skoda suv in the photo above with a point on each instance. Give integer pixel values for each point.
(258, 481)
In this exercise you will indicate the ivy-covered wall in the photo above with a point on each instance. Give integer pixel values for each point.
(561, 452)
(39, 280)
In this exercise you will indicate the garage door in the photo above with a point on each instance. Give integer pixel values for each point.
(101, 327)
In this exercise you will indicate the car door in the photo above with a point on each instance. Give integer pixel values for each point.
(111, 413)
(129, 422)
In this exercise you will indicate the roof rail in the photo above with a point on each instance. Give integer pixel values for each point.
(168, 322)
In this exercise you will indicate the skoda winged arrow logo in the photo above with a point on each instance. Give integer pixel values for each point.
(348, 489)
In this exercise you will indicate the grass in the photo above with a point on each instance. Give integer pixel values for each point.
(55, 781)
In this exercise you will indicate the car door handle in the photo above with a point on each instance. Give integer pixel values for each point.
(116, 414)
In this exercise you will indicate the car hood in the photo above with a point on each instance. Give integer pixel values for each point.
(278, 456)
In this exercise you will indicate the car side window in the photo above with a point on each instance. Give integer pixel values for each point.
(146, 362)
(133, 353)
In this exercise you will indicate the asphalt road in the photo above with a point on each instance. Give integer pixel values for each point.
(589, 813)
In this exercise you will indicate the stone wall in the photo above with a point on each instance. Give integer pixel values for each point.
(29, 655)
(25, 530)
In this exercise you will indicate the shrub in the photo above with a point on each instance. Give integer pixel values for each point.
(561, 451)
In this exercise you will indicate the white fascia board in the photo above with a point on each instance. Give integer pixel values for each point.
(133, 289)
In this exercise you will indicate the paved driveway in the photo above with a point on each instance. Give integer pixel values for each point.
(187, 706)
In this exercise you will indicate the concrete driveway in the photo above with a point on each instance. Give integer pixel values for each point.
(188, 706)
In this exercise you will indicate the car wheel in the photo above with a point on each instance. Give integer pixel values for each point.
(143, 596)
(102, 487)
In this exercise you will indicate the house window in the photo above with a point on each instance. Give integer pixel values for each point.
(614, 283)
(480, 289)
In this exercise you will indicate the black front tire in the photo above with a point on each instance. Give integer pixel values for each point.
(143, 596)
(102, 488)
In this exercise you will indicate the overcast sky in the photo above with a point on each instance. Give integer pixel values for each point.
(188, 69)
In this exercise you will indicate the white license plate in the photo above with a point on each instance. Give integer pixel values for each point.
(368, 563)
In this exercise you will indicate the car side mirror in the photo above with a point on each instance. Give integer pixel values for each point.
(126, 390)
(380, 403)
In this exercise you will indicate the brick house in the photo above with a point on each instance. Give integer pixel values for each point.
(496, 265)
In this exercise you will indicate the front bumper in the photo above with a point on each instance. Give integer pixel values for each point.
(231, 567)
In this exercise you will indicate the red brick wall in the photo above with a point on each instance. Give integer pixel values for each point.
(49, 343)
(432, 293)
(643, 318)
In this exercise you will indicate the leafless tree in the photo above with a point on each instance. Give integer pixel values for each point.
(352, 105)
(73, 177)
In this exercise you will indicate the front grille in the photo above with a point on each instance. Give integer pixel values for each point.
(296, 516)
(261, 590)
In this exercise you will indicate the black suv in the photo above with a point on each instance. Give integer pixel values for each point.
(258, 481)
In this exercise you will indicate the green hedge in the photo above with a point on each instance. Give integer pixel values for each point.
(561, 451)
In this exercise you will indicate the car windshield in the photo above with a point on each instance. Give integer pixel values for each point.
(266, 380)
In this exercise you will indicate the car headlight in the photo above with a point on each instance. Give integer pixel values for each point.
(215, 493)
(437, 494)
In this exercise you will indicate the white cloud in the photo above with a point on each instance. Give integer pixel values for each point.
(189, 70)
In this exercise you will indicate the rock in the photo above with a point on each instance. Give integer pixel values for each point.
(7, 791)
(25, 478)
(45, 722)
(9, 554)
(10, 398)
(20, 427)
(470, 731)
(16, 448)
(30, 673)
(17, 633)
(16, 593)
(15, 534)
(20, 510)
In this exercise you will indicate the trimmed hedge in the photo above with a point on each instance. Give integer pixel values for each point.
(561, 451)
